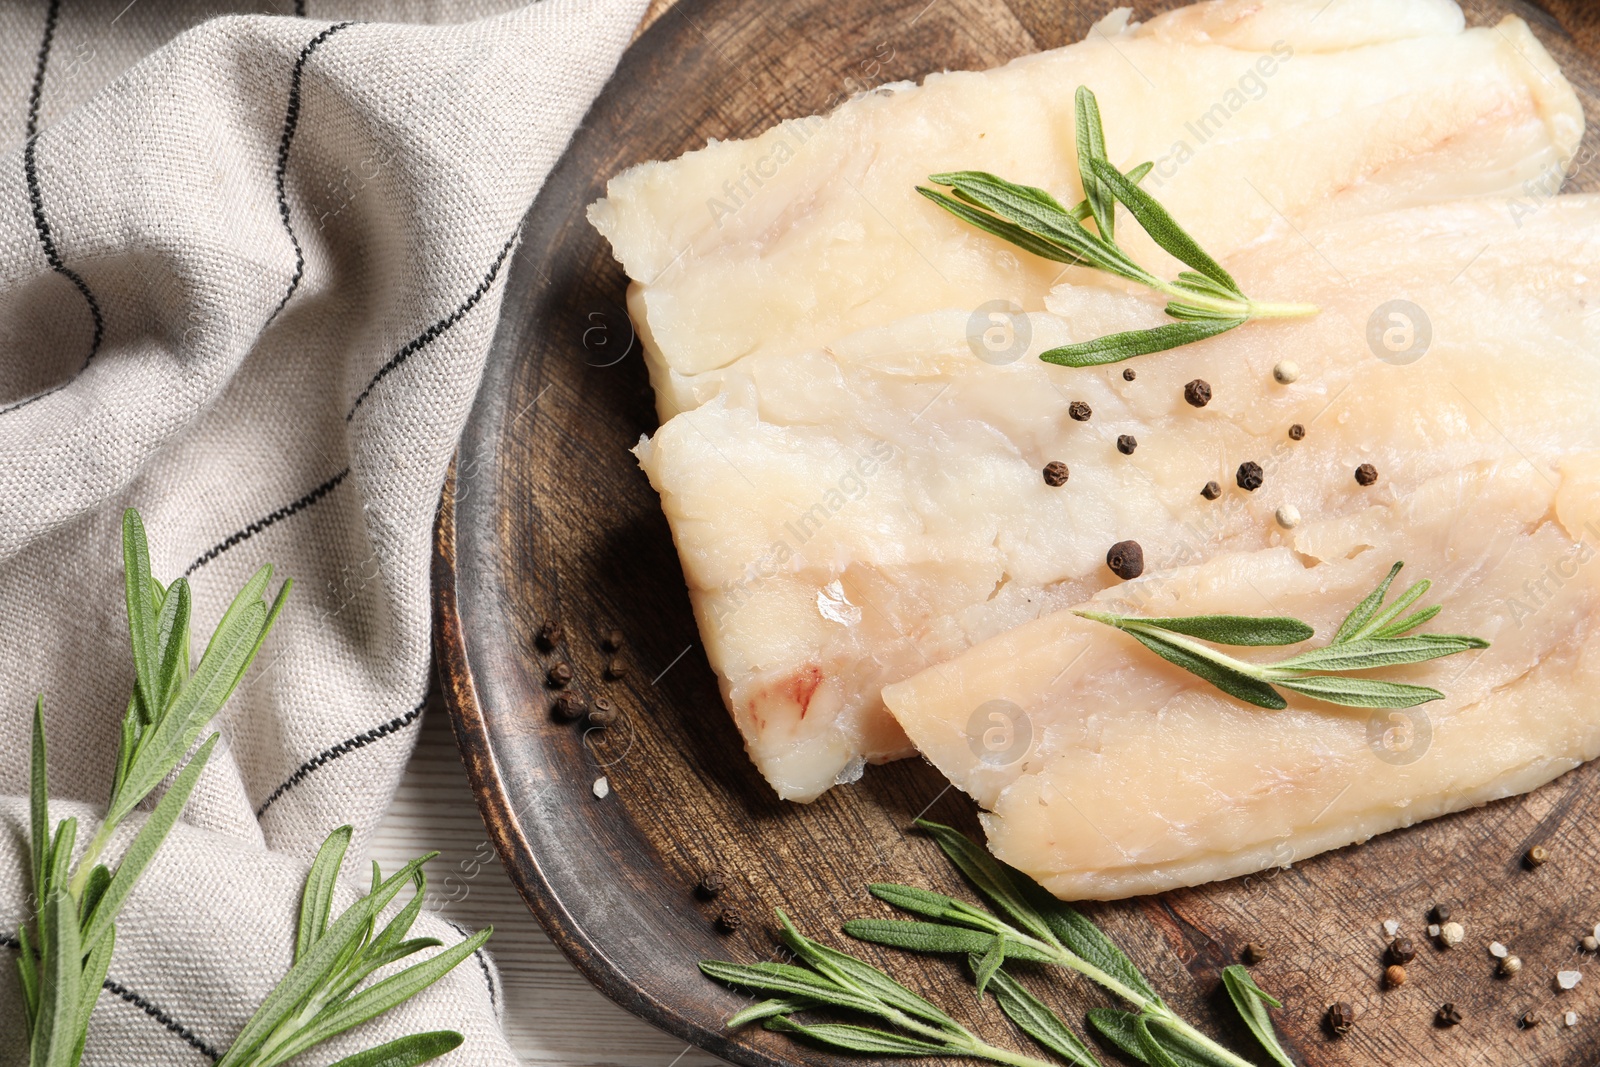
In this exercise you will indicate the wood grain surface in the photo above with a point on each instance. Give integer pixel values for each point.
(550, 520)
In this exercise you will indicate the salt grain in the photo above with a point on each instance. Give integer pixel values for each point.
(602, 787)
(1390, 928)
(1568, 979)
(1451, 934)
(1433, 929)
(1570, 1018)
(1498, 951)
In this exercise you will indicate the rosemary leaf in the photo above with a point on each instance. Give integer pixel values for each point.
(39, 808)
(1116, 347)
(850, 972)
(1243, 630)
(1365, 610)
(766, 1009)
(1039, 1022)
(1092, 148)
(405, 1051)
(787, 980)
(317, 898)
(1409, 623)
(1001, 228)
(142, 625)
(931, 937)
(1360, 692)
(1365, 654)
(862, 1039)
(1226, 678)
(989, 963)
(58, 1027)
(1162, 228)
(1252, 1002)
(993, 879)
(1118, 1029)
(1086, 940)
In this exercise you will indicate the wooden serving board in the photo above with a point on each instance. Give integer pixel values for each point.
(550, 518)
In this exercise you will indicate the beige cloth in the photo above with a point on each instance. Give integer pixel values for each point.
(250, 269)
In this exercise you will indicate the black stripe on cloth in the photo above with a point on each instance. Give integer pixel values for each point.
(120, 990)
(411, 347)
(183, 1032)
(39, 65)
(343, 748)
(262, 523)
(291, 122)
(483, 965)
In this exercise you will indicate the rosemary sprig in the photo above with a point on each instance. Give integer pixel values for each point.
(66, 953)
(1371, 636)
(1036, 927)
(319, 999)
(826, 977)
(1205, 300)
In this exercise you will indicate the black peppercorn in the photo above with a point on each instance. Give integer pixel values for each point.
(1297, 432)
(712, 883)
(1055, 474)
(729, 920)
(1402, 951)
(1126, 444)
(1448, 1015)
(1250, 475)
(1079, 411)
(612, 640)
(1128, 375)
(1366, 474)
(549, 635)
(1439, 913)
(603, 713)
(1254, 953)
(558, 675)
(1211, 491)
(616, 668)
(1530, 1019)
(1198, 392)
(1126, 559)
(1341, 1018)
(567, 707)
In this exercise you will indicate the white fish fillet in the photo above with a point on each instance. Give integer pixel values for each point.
(856, 497)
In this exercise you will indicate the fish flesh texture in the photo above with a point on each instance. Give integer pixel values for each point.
(850, 466)
(1116, 773)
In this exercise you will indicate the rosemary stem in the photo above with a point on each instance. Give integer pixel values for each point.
(1281, 311)
(1221, 1053)
(91, 855)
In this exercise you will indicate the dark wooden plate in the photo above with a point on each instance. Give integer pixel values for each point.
(549, 518)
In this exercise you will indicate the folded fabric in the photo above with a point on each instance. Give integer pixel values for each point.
(250, 270)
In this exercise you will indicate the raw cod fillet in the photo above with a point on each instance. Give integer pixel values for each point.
(856, 496)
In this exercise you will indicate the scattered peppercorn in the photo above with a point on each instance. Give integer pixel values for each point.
(1530, 1019)
(549, 635)
(1211, 491)
(1402, 951)
(1250, 475)
(1055, 474)
(1126, 444)
(1439, 913)
(1590, 943)
(1286, 371)
(1341, 1018)
(1079, 411)
(1288, 516)
(603, 713)
(712, 883)
(567, 707)
(1394, 975)
(1366, 474)
(1448, 1015)
(1537, 856)
(1297, 432)
(1254, 953)
(1126, 559)
(1510, 965)
(616, 668)
(1128, 375)
(1198, 392)
(729, 920)
(612, 640)
(558, 676)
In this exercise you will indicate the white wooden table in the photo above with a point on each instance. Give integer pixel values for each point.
(552, 1014)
